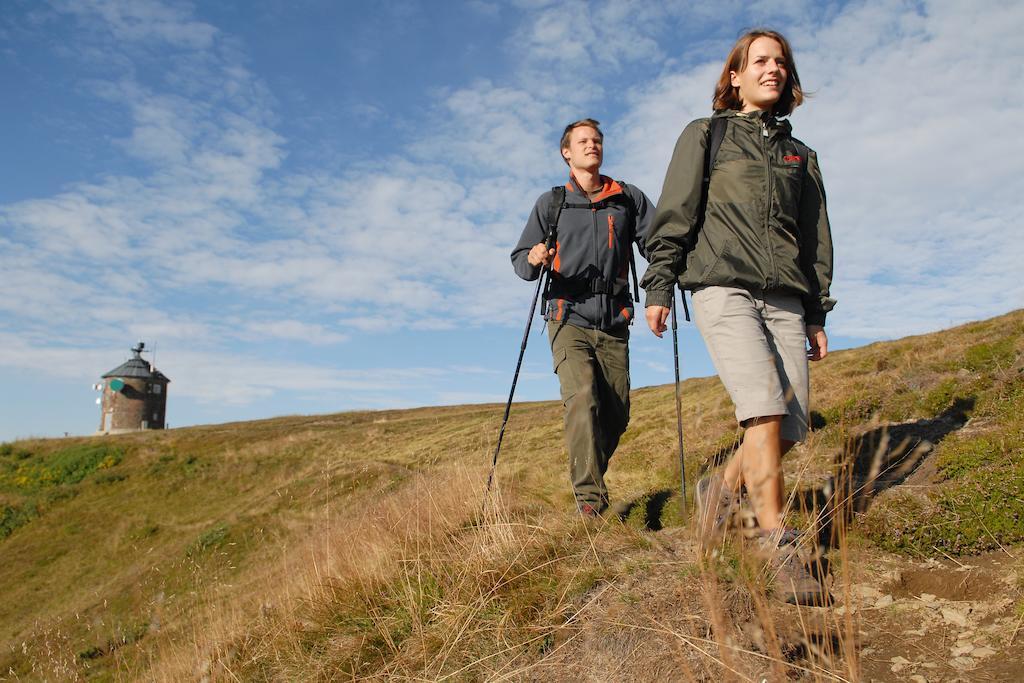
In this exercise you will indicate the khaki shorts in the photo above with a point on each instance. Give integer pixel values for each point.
(758, 343)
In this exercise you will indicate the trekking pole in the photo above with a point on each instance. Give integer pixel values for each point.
(679, 403)
(544, 274)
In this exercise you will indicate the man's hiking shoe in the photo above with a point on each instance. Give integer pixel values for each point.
(791, 580)
(590, 511)
(716, 504)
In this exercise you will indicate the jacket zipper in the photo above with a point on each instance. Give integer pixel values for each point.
(773, 270)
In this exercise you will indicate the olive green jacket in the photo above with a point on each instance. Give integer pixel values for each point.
(765, 228)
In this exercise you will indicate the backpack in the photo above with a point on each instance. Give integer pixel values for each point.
(555, 211)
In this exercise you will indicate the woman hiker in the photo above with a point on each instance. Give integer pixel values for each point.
(759, 268)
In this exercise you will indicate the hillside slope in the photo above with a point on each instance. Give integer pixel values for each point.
(359, 545)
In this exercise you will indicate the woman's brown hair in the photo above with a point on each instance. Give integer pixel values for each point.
(728, 97)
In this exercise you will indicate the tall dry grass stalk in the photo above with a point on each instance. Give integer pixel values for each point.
(413, 584)
(790, 641)
(421, 585)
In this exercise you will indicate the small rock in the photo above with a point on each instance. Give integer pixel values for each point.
(982, 652)
(927, 597)
(952, 616)
(961, 649)
(918, 678)
(883, 601)
(898, 664)
(962, 662)
(866, 591)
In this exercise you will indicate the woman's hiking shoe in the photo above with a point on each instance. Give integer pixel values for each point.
(791, 579)
(715, 504)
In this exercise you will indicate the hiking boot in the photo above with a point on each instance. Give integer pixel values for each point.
(791, 580)
(590, 511)
(715, 504)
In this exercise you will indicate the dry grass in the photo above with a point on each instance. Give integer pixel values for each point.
(353, 546)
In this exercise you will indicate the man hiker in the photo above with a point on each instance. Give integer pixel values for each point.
(587, 302)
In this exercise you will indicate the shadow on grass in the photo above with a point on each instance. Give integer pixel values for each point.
(875, 461)
(653, 505)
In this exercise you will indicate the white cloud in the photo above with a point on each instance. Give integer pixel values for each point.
(924, 182)
(140, 21)
(294, 330)
(913, 115)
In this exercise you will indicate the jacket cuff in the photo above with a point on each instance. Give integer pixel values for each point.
(816, 318)
(659, 297)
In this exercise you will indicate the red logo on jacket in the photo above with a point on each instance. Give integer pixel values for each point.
(791, 159)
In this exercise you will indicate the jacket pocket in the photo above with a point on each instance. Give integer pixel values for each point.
(788, 184)
(717, 254)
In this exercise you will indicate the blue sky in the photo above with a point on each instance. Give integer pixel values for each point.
(307, 207)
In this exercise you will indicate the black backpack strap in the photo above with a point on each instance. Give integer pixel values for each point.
(716, 133)
(554, 212)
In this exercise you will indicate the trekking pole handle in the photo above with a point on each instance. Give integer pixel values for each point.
(551, 242)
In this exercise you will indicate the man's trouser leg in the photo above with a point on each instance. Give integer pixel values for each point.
(593, 373)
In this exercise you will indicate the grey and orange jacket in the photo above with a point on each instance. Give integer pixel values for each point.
(765, 227)
(590, 272)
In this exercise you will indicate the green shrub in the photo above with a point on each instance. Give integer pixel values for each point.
(991, 356)
(13, 517)
(979, 509)
(962, 458)
(60, 468)
(211, 538)
(940, 398)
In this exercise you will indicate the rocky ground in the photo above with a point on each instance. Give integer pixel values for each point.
(893, 619)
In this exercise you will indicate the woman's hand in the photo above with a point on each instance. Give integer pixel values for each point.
(819, 342)
(656, 317)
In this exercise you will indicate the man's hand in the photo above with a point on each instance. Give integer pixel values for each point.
(656, 317)
(540, 255)
(819, 342)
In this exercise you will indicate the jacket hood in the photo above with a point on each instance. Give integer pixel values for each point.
(766, 117)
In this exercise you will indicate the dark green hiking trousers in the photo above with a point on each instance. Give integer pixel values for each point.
(593, 372)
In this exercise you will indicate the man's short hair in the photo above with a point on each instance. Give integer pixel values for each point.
(589, 123)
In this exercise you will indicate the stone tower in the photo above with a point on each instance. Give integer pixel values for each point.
(134, 396)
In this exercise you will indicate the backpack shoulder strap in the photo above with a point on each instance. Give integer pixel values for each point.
(554, 211)
(716, 133)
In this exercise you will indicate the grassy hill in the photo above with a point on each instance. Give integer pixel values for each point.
(360, 545)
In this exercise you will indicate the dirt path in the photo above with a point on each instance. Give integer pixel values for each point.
(920, 621)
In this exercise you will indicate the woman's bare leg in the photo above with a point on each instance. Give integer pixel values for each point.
(758, 465)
